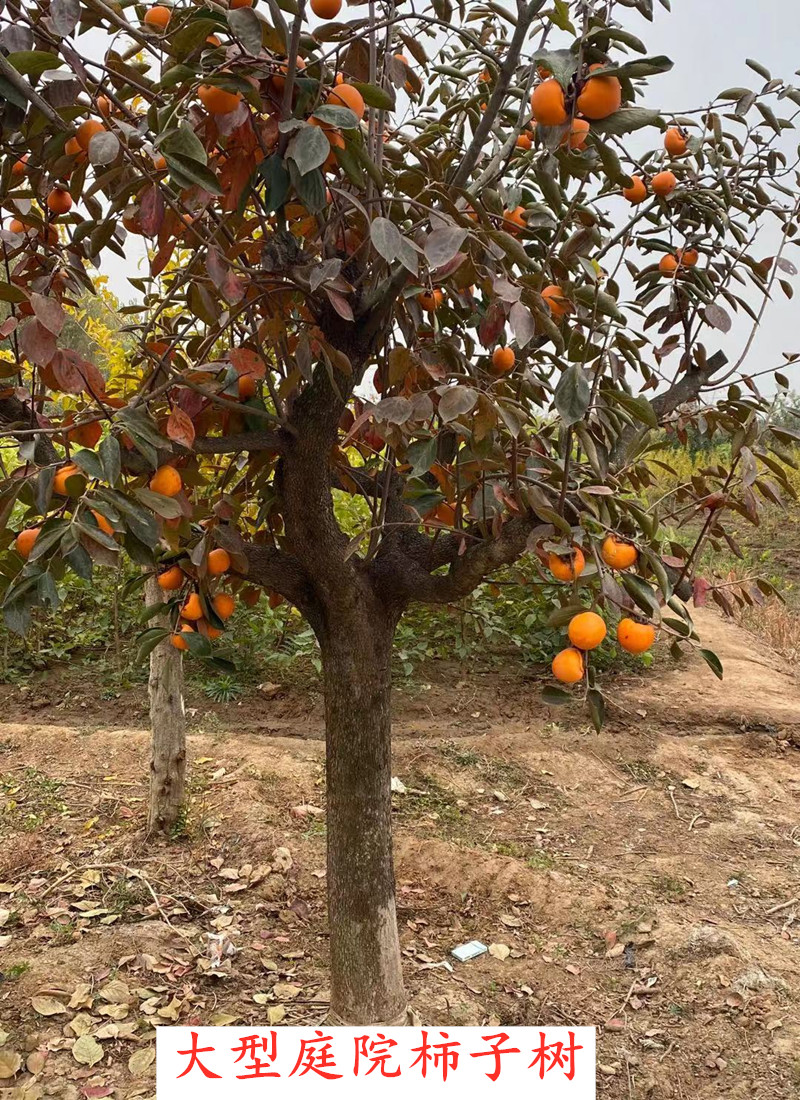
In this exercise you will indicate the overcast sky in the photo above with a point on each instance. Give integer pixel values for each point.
(708, 40)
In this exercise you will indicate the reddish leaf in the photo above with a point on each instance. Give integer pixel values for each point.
(190, 401)
(49, 312)
(231, 288)
(340, 304)
(235, 176)
(246, 361)
(95, 1092)
(68, 377)
(492, 324)
(700, 591)
(8, 326)
(37, 343)
(180, 429)
(151, 211)
(162, 258)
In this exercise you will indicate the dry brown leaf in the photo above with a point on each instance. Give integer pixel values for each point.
(81, 1024)
(47, 1006)
(87, 1051)
(82, 996)
(141, 1060)
(10, 1063)
(35, 1062)
(116, 992)
(286, 991)
(275, 1014)
(499, 951)
(282, 860)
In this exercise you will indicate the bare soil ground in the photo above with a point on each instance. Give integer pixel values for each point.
(645, 881)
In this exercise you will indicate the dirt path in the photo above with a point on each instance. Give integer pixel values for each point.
(644, 880)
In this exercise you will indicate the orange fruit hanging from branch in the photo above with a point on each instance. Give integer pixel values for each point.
(635, 637)
(566, 567)
(568, 666)
(618, 554)
(166, 481)
(547, 104)
(586, 630)
(600, 96)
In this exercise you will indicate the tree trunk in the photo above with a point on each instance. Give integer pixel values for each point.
(168, 728)
(366, 971)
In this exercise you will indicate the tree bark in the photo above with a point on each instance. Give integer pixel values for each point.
(366, 972)
(168, 728)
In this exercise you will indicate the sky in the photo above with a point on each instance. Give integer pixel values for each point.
(708, 40)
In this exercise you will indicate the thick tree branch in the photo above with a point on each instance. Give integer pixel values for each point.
(403, 578)
(268, 567)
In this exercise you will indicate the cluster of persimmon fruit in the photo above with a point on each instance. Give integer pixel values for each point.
(595, 97)
(587, 630)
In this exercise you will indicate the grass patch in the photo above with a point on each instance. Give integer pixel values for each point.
(31, 799)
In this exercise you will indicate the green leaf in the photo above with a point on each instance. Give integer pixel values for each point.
(422, 455)
(136, 518)
(713, 662)
(276, 177)
(595, 298)
(198, 645)
(641, 593)
(9, 293)
(80, 562)
(626, 120)
(167, 507)
(148, 640)
(175, 75)
(182, 142)
(376, 97)
(757, 68)
(386, 238)
(188, 38)
(563, 615)
(308, 148)
(248, 28)
(645, 66)
(89, 462)
(639, 407)
(572, 394)
(310, 188)
(110, 458)
(34, 62)
(556, 697)
(341, 117)
(190, 173)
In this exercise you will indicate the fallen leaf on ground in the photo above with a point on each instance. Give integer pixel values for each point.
(499, 951)
(47, 1006)
(87, 1051)
(286, 991)
(141, 1060)
(10, 1063)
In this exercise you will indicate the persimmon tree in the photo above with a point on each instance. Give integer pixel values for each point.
(447, 261)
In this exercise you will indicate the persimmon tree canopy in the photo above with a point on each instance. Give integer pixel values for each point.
(447, 261)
